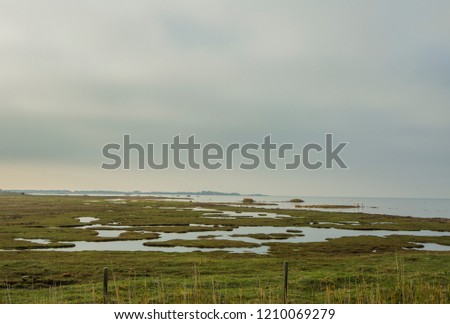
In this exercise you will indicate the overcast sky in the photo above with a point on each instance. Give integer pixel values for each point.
(76, 75)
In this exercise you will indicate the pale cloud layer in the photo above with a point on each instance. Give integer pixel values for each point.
(75, 75)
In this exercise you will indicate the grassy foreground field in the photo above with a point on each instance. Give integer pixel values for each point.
(361, 269)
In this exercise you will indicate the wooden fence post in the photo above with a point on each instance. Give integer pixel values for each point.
(285, 282)
(105, 285)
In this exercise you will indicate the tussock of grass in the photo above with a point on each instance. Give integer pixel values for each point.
(204, 243)
(207, 236)
(272, 236)
(138, 236)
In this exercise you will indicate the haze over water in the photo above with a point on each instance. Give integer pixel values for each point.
(416, 207)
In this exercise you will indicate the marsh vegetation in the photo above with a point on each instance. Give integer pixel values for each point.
(235, 257)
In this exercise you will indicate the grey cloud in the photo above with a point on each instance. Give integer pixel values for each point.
(77, 74)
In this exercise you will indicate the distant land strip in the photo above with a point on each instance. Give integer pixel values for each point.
(136, 192)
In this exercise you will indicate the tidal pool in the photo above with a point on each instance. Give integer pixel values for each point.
(431, 247)
(87, 219)
(37, 241)
(310, 235)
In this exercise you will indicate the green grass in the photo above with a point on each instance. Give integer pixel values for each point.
(204, 243)
(35, 277)
(364, 269)
(272, 236)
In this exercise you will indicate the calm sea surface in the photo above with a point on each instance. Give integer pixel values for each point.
(427, 208)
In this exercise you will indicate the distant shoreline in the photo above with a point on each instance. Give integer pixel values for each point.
(134, 193)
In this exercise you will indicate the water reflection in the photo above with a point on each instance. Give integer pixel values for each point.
(310, 235)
